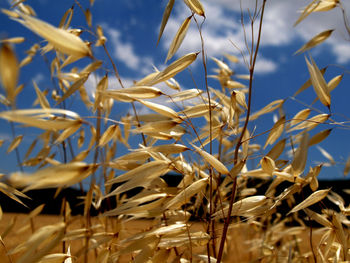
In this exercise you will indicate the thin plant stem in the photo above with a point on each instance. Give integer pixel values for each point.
(116, 73)
(18, 157)
(310, 240)
(204, 62)
(239, 143)
(5, 248)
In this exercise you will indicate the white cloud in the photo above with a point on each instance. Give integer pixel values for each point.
(5, 137)
(113, 83)
(124, 51)
(223, 26)
(264, 66)
(38, 78)
(217, 31)
(94, 78)
(221, 34)
(342, 52)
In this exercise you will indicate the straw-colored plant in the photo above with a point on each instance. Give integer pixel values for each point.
(212, 159)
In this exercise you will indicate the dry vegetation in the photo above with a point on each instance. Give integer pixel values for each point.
(234, 223)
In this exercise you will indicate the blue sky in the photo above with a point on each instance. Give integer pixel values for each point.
(131, 28)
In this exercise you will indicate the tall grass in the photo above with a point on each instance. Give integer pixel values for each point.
(213, 159)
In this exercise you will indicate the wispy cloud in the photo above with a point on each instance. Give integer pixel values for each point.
(125, 52)
(265, 66)
(113, 83)
(5, 137)
(223, 27)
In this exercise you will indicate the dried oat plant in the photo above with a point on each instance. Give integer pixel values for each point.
(203, 217)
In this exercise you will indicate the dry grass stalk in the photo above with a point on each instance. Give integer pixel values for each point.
(214, 187)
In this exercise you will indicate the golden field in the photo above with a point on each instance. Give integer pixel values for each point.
(240, 246)
(209, 135)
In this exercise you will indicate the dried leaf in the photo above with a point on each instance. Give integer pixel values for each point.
(81, 138)
(223, 66)
(73, 88)
(242, 206)
(334, 82)
(165, 18)
(319, 137)
(277, 149)
(212, 160)
(59, 38)
(55, 258)
(231, 84)
(12, 193)
(41, 97)
(133, 93)
(69, 174)
(316, 40)
(308, 83)
(232, 58)
(173, 229)
(325, 5)
(239, 97)
(36, 211)
(321, 219)
(174, 68)
(198, 110)
(27, 60)
(81, 156)
(300, 156)
(185, 195)
(108, 135)
(156, 126)
(14, 144)
(267, 109)
(268, 165)
(66, 19)
(186, 95)
(195, 6)
(138, 177)
(276, 131)
(88, 17)
(42, 118)
(310, 200)
(13, 40)
(166, 148)
(347, 167)
(145, 203)
(339, 230)
(306, 12)
(147, 252)
(316, 6)
(300, 116)
(326, 154)
(187, 239)
(47, 236)
(9, 71)
(319, 83)
(161, 109)
(68, 132)
(101, 87)
(311, 123)
(179, 37)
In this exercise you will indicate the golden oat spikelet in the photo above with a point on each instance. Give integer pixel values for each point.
(61, 39)
(316, 40)
(9, 71)
(196, 6)
(179, 37)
